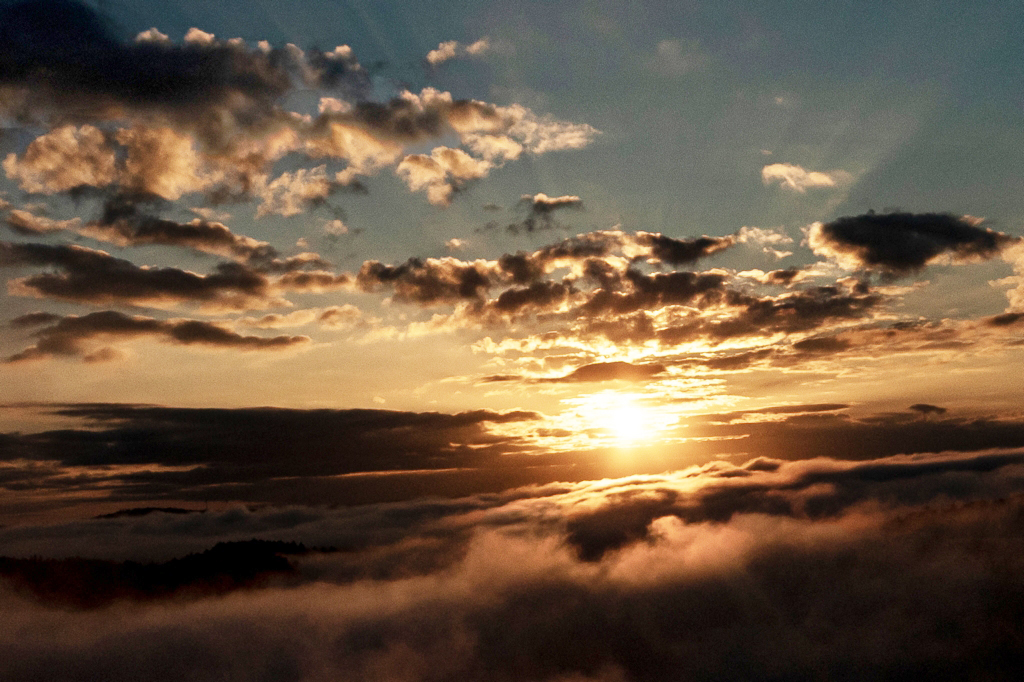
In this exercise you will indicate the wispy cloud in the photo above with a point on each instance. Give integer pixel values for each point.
(451, 49)
(798, 179)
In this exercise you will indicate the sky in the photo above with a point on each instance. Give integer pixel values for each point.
(588, 340)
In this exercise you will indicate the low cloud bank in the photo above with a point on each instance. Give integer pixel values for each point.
(901, 567)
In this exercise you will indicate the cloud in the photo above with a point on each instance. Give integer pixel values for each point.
(163, 162)
(613, 371)
(335, 228)
(209, 116)
(537, 297)
(124, 223)
(290, 193)
(717, 572)
(768, 240)
(34, 319)
(297, 318)
(542, 203)
(653, 291)
(610, 285)
(447, 281)
(78, 336)
(60, 55)
(429, 282)
(682, 251)
(798, 179)
(337, 317)
(412, 117)
(172, 456)
(452, 48)
(542, 134)
(30, 224)
(444, 52)
(802, 437)
(925, 409)
(311, 281)
(63, 159)
(152, 35)
(441, 173)
(494, 148)
(97, 278)
(1005, 319)
(898, 244)
(265, 453)
(540, 209)
(334, 317)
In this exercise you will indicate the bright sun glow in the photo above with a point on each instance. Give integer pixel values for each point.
(623, 420)
(628, 424)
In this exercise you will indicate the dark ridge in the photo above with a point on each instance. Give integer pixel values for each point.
(93, 583)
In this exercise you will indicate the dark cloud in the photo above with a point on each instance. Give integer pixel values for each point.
(822, 344)
(581, 247)
(842, 436)
(75, 336)
(60, 53)
(682, 251)
(539, 296)
(35, 319)
(403, 119)
(613, 371)
(540, 211)
(798, 311)
(161, 456)
(249, 444)
(784, 277)
(611, 284)
(926, 409)
(124, 222)
(315, 281)
(1005, 319)
(728, 417)
(652, 291)
(901, 243)
(597, 285)
(428, 282)
(97, 278)
(520, 267)
(62, 56)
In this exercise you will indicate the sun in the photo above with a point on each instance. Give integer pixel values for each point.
(629, 424)
(622, 419)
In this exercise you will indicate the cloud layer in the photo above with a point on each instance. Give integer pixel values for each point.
(899, 567)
